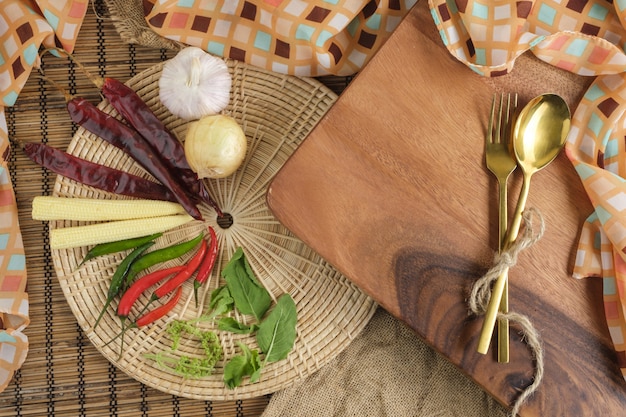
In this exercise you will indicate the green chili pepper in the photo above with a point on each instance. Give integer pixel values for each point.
(119, 246)
(160, 255)
(118, 276)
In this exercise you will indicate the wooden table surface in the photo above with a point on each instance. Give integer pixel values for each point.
(391, 188)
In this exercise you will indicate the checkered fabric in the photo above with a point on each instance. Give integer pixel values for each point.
(583, 37)
(13, 297)
(24, 27)
(586, 38)
(596, 148)
(306, 38)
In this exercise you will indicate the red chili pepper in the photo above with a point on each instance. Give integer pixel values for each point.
(114, 131)
(157, 313)
(134, 291)
(117, 280)
(95, 175)
(134, 110)
(183, 275)
(204, 271)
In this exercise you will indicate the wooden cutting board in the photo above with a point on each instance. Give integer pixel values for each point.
(391, 188)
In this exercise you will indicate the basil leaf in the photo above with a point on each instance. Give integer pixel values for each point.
(255, 364)
(252, 356)
(277, 332)
(229, 324)
(221, 301)
(234, 371)
(249, 295)
(256, 375)
(241, 366)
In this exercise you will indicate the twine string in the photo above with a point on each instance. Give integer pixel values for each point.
(481, 294)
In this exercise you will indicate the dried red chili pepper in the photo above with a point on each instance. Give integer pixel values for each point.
(114, 131)
(95, 175)
(204, 271)
(157, 313)
(136, 112)
(182, 276)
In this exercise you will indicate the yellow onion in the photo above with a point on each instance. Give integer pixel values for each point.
(215, 146)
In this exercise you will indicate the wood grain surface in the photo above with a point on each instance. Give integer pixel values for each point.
(391, 188)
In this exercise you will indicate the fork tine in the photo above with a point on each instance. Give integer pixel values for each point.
(510, 120)
(498, 130)
(492, 115)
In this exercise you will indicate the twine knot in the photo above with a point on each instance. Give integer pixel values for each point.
(481, 294)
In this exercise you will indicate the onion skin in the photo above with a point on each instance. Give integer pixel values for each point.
(215, 146)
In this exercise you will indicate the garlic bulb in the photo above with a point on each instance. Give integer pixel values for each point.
(215, 146)
(194, 84)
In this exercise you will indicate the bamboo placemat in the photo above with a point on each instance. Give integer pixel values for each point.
(63, 373)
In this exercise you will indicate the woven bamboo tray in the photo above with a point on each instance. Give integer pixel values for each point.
(276, 113)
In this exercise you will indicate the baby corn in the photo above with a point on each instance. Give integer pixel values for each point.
(93, 234)
(90, 209)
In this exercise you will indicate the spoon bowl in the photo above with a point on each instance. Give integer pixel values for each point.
(539, 134)
(540, 131)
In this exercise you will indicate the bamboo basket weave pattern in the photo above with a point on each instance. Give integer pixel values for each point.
(276, 113)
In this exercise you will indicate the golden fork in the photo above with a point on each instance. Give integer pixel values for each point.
(500, 161)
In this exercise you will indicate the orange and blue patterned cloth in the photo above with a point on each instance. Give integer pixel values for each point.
(298, 37)
(585, 38)
(24, 27)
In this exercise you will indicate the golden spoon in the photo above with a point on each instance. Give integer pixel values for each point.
(538, 136)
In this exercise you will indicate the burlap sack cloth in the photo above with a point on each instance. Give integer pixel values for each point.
(387, 370)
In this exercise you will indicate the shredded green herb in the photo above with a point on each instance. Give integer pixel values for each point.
(191, 368)
(184, 365)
